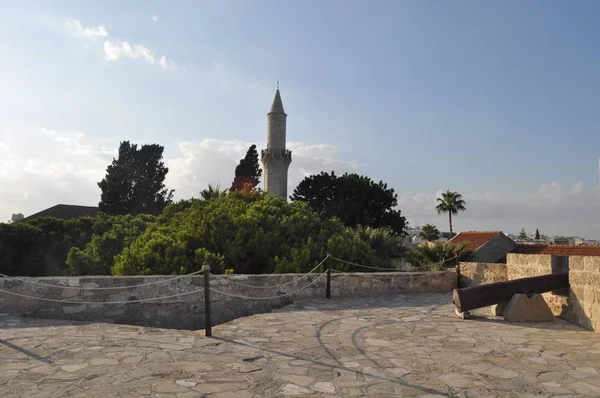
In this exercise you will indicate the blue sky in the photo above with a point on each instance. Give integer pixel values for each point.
(495, 100)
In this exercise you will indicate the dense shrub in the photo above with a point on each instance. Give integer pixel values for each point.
(97, 258)
(250, 233)
(40, 246)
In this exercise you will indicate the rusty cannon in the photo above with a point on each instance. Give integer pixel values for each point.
(470, 298)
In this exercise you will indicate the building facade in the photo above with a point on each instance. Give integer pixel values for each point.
(276, 158)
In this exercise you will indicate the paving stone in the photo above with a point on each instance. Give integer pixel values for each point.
(292, 389)
(397, 345)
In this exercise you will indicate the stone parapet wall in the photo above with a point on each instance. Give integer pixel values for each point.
(187, 311)
(475, 274)
(528, 265)
(584, 294)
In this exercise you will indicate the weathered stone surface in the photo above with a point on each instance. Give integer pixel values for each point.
(336, 349)
(475, 274)
(498, 309)
(525, 309)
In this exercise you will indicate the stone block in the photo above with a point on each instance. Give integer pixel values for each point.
(591, 264)
(576, 263)
(70, 292)
(579, 278)
(498, 309)
(589, 294)
(525, 309)
(576, 293)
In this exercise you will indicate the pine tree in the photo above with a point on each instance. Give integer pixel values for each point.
(248, 172)
(537, 234)
(134, 182)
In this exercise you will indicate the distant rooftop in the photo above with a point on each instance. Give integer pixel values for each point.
(559, 250)
(474, 239)
(65, 212)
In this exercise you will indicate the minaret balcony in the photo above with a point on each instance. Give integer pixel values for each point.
(276, 153)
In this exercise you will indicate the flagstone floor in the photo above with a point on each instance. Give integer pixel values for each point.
(377, 346)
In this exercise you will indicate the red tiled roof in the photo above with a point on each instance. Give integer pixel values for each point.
(474, 239)
(559, 250)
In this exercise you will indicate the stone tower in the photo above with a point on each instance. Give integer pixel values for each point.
(276, 159)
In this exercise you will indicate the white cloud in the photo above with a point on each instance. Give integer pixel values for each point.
(115, 49)
(75, 143)
(213, 161)
(28, 185)
(167, 63)
(155, 18)
(88, 32)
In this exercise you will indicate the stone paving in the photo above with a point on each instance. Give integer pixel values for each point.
(376, 346)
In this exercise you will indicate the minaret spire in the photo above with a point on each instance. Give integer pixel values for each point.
(276, 158)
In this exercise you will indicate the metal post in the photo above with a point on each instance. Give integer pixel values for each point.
(457, 272)
(207, 321)
(328, 289)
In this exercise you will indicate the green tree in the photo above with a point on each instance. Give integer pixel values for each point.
(248, 172)
(451, 203)
(134, 182)
(429, 232)
(522, 234)
(537, 234)
(354, 199)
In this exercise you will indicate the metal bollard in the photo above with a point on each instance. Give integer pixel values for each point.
(328, 288)
(207, 321)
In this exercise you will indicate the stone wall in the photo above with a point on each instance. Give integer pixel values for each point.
(526, 265)
(584, 295)
(187, 311)
(475, 274)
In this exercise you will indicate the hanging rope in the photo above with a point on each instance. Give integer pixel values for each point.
(282, 284)
(99, 288)
(269, 297)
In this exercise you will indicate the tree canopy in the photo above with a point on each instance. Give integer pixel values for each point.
(352, 198)
(134, 182)
(248, 172)
(253, 233)
(451, 203)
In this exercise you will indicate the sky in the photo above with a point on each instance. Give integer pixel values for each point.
(495, 100)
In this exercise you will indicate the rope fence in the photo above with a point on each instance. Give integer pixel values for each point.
(327, 261)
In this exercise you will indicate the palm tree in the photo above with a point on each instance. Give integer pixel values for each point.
(213, 192)
(385, 243)
(451, 203)
(438, 255)
(429, 232)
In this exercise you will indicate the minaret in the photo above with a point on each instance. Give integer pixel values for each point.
(276, 159)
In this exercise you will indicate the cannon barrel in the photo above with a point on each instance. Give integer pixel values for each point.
(470, 298)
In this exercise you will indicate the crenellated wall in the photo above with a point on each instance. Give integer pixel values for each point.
(69, 298)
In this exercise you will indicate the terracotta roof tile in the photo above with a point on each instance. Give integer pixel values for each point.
(559, 250)
(474, 239)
